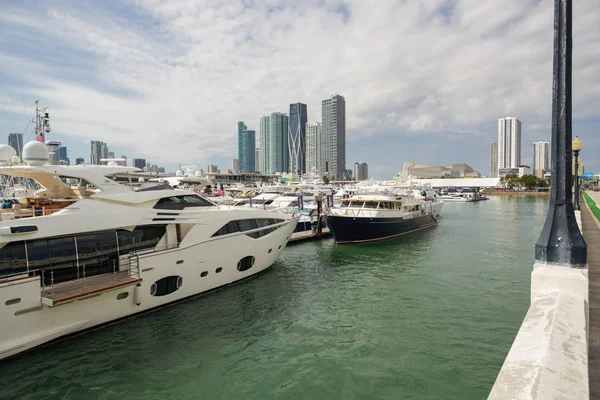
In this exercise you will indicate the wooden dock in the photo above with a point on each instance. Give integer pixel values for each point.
(73, 290)
(308, 235)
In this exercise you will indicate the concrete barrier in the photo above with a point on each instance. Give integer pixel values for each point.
(549, 357)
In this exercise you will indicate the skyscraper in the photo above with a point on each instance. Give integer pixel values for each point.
(15, 140)
(540, 156)
(139, 163)
(63, 158)
(297, 138)
(494, 160)
(257, 160)
(246, 148)
(313, 148)
(235, 165)
(264, 145)
(274, 152)
(361, 171)
(509, 142)
(99, 150)
(79, 161)
(334, 129)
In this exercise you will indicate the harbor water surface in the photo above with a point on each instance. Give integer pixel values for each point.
(427, 316)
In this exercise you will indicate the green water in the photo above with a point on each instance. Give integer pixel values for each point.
(428, 316)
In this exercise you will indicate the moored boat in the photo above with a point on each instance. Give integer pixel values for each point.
(112, 251)
(375, 217)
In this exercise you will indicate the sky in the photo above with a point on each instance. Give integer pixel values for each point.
(424, 80)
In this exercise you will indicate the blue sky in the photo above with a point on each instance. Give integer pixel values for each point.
(424, 81)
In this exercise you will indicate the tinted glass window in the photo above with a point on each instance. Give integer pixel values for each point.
(98, 253)
(38, 253)
(142, 237)
(12, 258)
(247, 224)
(181, 202)
(63, 260)
(371, 204)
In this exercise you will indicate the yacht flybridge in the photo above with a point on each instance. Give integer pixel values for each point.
(113, 251)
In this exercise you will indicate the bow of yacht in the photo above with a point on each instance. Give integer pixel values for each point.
(112, 252)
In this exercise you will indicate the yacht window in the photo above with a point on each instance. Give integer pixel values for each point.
(293, 204)
(98, 253)
(247, 225)
(181, 202)
(12, 258)
(386, 205)
(344, 204)
(357, 204)
(142, 237)
(371, 204)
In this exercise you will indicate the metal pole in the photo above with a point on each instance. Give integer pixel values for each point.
(576, 200)
(560, 241)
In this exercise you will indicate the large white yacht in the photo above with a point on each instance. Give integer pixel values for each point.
(112, 252)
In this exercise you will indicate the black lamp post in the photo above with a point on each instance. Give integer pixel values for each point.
(577, 146)
(560, 241)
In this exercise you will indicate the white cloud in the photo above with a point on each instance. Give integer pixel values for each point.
(172, 78)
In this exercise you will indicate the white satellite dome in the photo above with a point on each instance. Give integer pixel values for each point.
(35, 153)
(16, 159)
(141, 179)
(198, 174)
(6, 154)
(179, 172)
(112, 164)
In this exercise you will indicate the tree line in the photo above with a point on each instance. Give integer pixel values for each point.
(526, 181)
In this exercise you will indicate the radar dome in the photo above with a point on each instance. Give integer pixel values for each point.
(112, 164)
(179, 172)
(198, 174)
(141, 180)
(35, 153)
(6, 154)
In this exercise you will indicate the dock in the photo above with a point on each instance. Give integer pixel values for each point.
(591, 234)
(308, 235)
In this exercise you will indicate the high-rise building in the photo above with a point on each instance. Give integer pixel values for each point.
(257, 160)
(123, 161)
(313, 148)
(246, 148)
(235, 165)
(509, 143)
(99, 151)
(264, 161)
(494, 160)
(15, 140)
(63, 157)
(297, 138)
(274, 152)
(540, 156)
(361, 171)
(79, 161)
(139, 163)
(212, 169)
(111, 154)
(334, 129)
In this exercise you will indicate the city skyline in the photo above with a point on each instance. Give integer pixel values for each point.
(541, 156)
(448, 107)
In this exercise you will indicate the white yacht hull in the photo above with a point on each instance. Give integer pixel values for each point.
(28, 321)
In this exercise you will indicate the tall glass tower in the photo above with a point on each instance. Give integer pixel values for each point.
(246, 148)
(334, 132)
(297, 138)
(274, 150)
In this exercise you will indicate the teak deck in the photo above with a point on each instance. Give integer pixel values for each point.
(73, 290)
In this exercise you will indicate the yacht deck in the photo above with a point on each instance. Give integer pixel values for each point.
(80, 288)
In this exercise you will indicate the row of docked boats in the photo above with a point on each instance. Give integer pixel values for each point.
(83, 249)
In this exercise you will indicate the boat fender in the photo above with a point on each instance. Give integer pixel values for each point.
(137, 294)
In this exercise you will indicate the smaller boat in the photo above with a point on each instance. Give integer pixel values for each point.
(375, 217)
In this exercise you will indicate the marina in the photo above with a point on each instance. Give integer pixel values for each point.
(411, 317)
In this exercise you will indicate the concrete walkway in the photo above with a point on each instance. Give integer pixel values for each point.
(591, 234)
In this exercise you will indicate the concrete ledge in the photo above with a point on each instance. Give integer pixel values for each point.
(548, 359)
